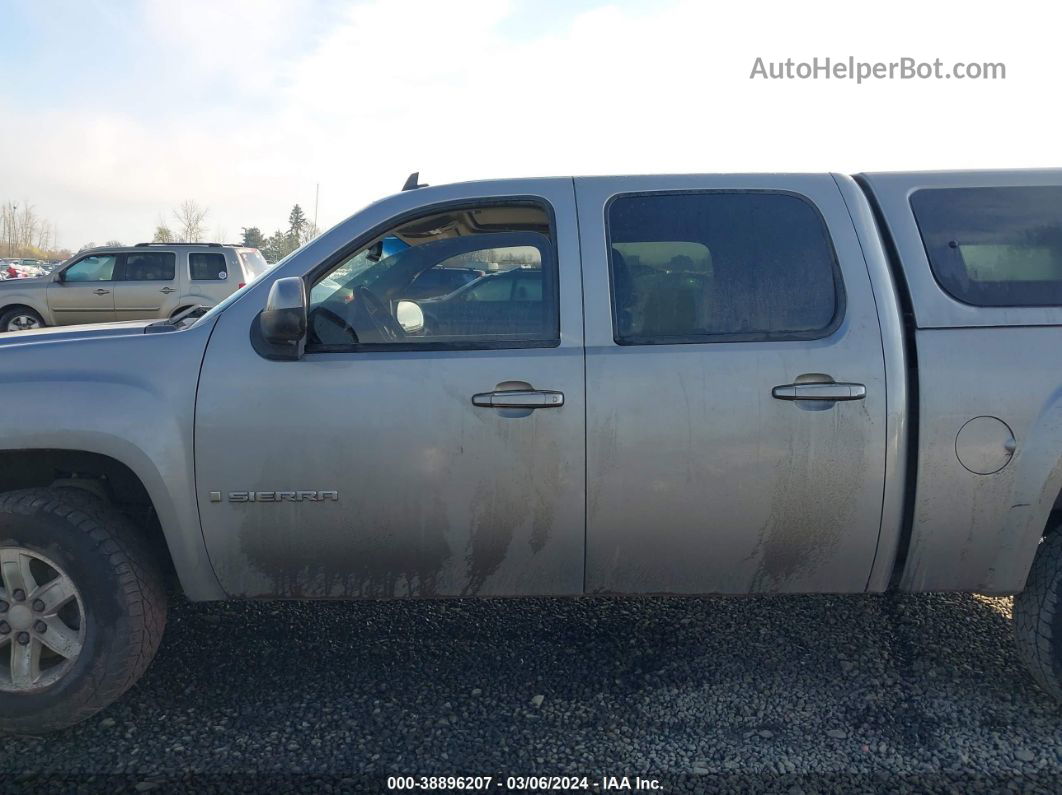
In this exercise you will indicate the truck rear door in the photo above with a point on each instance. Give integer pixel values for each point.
(735, 386)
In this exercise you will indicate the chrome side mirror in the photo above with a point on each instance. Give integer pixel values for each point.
(283, 323)
(410, 316)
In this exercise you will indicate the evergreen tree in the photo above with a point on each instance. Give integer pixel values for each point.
(253, 237)
(277, 247)
(297, 224)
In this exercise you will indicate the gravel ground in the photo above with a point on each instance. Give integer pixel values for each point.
(780, 693)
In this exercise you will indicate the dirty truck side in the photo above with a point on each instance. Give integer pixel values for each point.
(677, 384)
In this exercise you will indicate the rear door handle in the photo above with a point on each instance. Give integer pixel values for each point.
(829, 391)
(167, 290)
(101, 291)
(520, 399)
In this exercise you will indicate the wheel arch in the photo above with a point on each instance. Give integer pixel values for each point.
(35, 299)
(131, 483)
(23, 305)
(129, 398)
(1036, 502)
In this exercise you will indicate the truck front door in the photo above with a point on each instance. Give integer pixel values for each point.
(419, 447)
(735, 387)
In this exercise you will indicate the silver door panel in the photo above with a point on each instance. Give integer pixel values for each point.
(436, 496)
(699, 479)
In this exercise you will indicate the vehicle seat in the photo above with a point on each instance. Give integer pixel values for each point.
(670, 309)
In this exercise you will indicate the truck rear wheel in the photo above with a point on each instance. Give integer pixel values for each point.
(82, 608)
(1038, 617)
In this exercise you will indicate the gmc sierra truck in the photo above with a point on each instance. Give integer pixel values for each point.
(693, 384)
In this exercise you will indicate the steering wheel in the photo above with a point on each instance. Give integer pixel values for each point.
(384, 322)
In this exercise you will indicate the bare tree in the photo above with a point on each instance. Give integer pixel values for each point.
(45, 235)
(16, 228)
(7, 227)
(191, 221)
(23, 233)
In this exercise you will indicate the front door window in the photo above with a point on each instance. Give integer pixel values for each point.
(95, 268)
(480, 277)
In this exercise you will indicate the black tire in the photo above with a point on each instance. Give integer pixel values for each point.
(122, 594)
(10, 314)
(1038, 617)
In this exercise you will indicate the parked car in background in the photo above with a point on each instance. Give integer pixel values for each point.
(126, 283)
(441, 281)
(512, 297)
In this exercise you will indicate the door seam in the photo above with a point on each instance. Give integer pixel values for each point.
(586, 400)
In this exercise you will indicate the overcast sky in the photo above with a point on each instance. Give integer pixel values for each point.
(113, 111)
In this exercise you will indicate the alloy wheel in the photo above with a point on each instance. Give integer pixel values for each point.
(42, 621)
(23, 323)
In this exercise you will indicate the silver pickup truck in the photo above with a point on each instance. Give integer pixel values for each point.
(658, 384)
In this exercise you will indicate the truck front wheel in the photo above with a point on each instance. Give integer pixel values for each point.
(82, 608)
(1038, 617)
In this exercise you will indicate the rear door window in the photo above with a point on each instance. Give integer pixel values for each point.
(721, 266)
(997, 246)
(207, 267)
(149, 266)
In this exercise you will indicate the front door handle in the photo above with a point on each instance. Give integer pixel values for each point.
(167, 290)
(520, 399)
(827, 391)
(101, 291)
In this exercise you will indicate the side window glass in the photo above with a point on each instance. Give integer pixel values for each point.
(489, 289)
(207, 267)
(994, 246)
(150, 266)
(527, 287)
(95, 268)
(481, 277)
(721, 266)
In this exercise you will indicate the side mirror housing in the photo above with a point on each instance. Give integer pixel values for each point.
(282, 324)
(58, 277)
